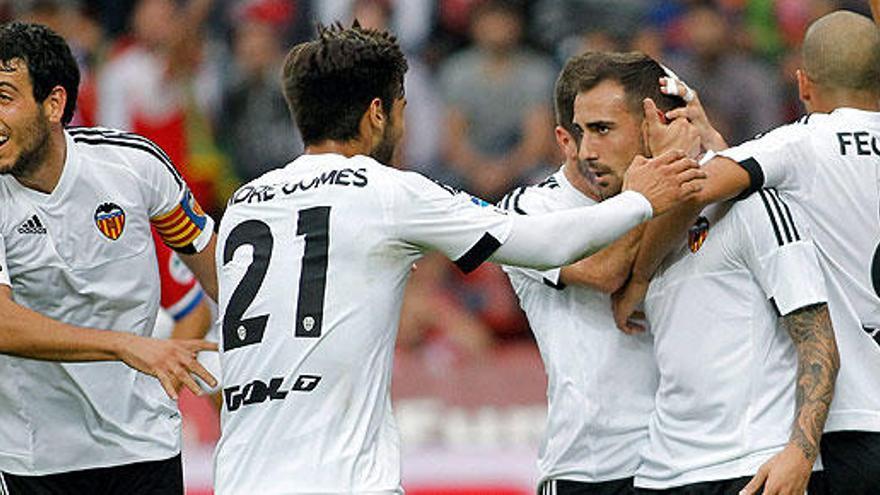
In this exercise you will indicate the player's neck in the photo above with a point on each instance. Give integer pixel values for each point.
(347, 149)
(859, 100)
(578, 181)
(46, 175)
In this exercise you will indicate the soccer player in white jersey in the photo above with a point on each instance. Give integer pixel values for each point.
(78, 282)
(829, 163)
(601, 383)
(314, 256)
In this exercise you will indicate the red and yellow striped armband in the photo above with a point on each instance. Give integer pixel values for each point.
(180, 227)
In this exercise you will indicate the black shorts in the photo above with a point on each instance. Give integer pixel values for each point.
(852, 462)
(141, 478)
(729, 487)
(565, 487)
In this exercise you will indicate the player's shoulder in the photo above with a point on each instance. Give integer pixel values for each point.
(769, 211)
(797, 130)
(120, 148)
(533, 199)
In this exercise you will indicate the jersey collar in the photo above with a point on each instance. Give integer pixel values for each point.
(68, 175)
(572, 195)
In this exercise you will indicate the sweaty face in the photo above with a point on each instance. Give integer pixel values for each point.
(24, 128)
(391, 136)
(610, 136)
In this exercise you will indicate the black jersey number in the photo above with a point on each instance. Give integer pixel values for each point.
(875, 271)
(314, 224)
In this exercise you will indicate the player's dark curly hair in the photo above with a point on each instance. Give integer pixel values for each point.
(329, 82)
(48, 60)
(638, 73)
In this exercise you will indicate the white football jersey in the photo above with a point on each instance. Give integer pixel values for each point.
(726, 399)
(312, 262)
(601, 382)
(830, 165)
(84, 255)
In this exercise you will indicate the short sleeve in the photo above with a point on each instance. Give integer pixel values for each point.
(431, 216)
(4, 270)
(780, 252)
(174, 212)
(775, 159)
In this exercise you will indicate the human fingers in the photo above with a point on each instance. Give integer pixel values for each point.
(677, 87)
(167, 384)
(756, 482)
(683, 164)
(678, 113)
(198, 345)
(200, 371)
(652, 115)
(668, 157)
(187, 381)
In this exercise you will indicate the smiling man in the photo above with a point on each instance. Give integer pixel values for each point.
(78, 282)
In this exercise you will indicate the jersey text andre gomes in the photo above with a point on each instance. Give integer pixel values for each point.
(341, 177)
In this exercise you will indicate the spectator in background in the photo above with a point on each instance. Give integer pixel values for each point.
(257, 131)
(79, 26)
(497, 105)
(739, 93)
(410, 20)
(421, 146)
(163, 83)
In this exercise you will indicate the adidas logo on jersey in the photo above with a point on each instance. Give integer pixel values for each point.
(33, 225)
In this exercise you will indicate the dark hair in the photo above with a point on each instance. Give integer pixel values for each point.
(638, 73)
(48, 60)
(566, 90)
(329, 82)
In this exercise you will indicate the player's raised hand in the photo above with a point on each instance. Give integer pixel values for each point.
(660, 136)
(786, 473)
(694, 113)
(666, 180)
(172, 362)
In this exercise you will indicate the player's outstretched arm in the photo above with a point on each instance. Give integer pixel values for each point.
(875, 10)
(607, 270)
(203, 266)
(818, 362)
(563, 237)
(28, 334)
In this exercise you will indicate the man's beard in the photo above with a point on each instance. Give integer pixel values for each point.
(384, 151)
(33, 151)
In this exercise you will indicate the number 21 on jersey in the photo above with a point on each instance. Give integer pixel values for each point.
(314, 225)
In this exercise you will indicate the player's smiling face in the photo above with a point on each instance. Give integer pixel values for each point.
(24, 129)
(610, 135)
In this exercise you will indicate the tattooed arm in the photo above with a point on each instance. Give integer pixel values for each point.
(818, 361)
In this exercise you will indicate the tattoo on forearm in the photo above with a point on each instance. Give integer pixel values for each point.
(818, 362)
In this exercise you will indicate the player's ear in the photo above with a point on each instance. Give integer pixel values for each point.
(566, 143)
(805, 86)
(378, 119)
(53, 105)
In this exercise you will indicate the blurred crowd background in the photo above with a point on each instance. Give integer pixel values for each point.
(201, 78)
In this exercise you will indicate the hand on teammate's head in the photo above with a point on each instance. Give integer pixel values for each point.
(662, 136)
(666, 180)
(710, 138)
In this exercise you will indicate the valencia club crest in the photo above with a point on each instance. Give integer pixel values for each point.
(110, 220)
(697, 234)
